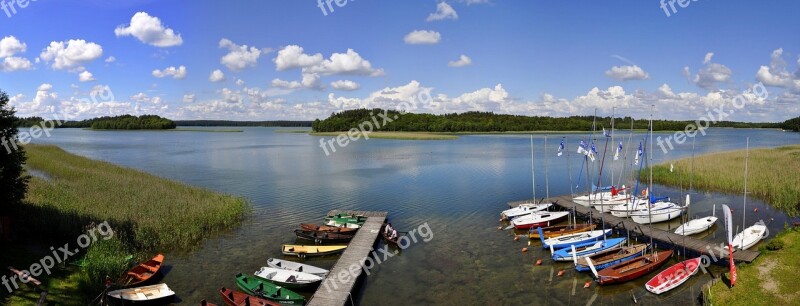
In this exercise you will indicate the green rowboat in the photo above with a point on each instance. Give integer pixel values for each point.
(267, 290)
(345, 220)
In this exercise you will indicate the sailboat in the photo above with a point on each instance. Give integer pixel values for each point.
(523, 210)
(753, 234)
(532, 214)
(698, 225)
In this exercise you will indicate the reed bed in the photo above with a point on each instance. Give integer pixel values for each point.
(772, 174)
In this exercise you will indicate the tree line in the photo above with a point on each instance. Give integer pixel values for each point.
(124, 122)
(275, 123)
(491, 122)
(792, 124)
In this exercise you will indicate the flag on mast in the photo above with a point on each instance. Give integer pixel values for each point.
(729, 227)
(619, 148)
(638, 153)
(582, 148)
(561, 148)
(592, 152)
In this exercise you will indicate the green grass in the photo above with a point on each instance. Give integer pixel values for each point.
(395, 135)
(772, 174)
(769, 280)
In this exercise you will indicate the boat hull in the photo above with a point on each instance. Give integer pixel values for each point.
(587, 249)
(673, 276)
(696, 226)
(538, 220)
(633, 269)
(561, 230)
(568, 240)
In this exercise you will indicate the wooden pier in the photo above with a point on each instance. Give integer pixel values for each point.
(358, 249)
(663, 239)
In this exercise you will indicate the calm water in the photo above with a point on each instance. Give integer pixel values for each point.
(458, 187)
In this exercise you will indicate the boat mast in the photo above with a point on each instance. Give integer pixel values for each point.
(691, 176)
(650, 165)
(613, 114)
(533, 174)
(744, 206)
(546, 177)
(569, 171)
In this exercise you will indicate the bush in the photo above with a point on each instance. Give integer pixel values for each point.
(775, 245)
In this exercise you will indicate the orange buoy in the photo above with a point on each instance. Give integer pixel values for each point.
(561, 273)
(539, 262)
(516, 238)
(587, 284)
(524, 250)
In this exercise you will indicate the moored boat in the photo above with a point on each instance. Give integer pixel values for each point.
(323, 237)
(585, 249)
(749, 237)
(236, 298)
(612, 257)
(267, 290)
(311, 250)
(539, 219)
(567, 240)
(655, 213)
(673, 276)
(345, 220)
(331, 229)
(288, 279)
(561, 230)
(696, 226)
(631, 269)
(142, 272)
(148, 294)
(523, 209)
(296, 266)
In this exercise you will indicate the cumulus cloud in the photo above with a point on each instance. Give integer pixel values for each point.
(188, 98)
(71, 54)
(292, 56)
(10, 45)
(777, 73)
(711, 74)
(309, 80)
(239, 57)
(345, 85)
(625, 73)
(313, 66)
(14, 63)
(149, 30)
(216, 76)
(462, 61)
(85, 76)
(418, 37)
(443, 11)
(176, 73)
(110, 59)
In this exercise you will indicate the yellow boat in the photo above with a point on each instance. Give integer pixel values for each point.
(561, 230)
(312, 250)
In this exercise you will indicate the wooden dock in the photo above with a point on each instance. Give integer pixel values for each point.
(358, 249)
(663, 239)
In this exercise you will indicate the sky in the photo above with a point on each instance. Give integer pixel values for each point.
(306, 59)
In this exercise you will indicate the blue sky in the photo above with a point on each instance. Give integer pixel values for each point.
(288, 60)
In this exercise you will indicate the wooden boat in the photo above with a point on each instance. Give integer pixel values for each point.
(331, 229)
(585, 249)
(567, 240)
(386, 237)
(312, 250)
(539, 219)
(267, 290)
(323, 237)
(523, 209)
(631, 269)
(612, 257)
(561, 230)
(749, 237)
(344, 220)
(148, 294)
(236, 298)
(288, 279)
(296, 266)
(143, 272)
(673, 276)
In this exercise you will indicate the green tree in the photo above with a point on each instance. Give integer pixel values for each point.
(13, 183)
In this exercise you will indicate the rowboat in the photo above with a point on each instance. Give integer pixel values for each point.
(539, 219)
(561, 230)
(696, 226)
(345, 220)
(331, 229)
(673, 276)
(631, 269)
(312, 250)
(150, 294)
(387, 237)
(267, 290)
(523, 209)
(143, 272)
(236, 298)
(296, 266)
(749, 236)
(288, 279)
(323, 237)
(567, 240)
(585, 249)
(611, 257)
(658, 212)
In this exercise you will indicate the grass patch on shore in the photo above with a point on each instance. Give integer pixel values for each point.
(772, 174)
(394, 135)
(769, 280)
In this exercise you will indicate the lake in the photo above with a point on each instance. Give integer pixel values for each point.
(458, 187)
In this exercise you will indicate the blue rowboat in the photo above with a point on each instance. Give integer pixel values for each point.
(585, 249)
(565, 241)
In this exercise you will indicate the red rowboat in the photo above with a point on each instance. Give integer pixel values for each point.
(673, 276)
(236, 298)
(143, 272)
(631, 269)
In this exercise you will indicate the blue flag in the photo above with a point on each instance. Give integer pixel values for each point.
(638, 153)
(619, 148)
(561, 147)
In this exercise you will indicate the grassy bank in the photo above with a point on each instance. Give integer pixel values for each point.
(772, 174)
(396, 135)
(147, 214)
(770, 280)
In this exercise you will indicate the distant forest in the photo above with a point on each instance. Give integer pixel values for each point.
(124, 122)
(490, 122)
(279, 123)
(792, 125)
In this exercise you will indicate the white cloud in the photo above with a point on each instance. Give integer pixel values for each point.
(462, 61)
(239, 82)
(111, 59)
(711, 74)
(443, 11)
(349, 63)
(176, 73)
(292, 56)
(216, 76)
(625, 73)
(310, 81)
(708, 57)
(422, 37)
(85, 76)
(188, 98)
(71, 54)
(239, 57)
(345, 85)
(149, 30)
(777, 73)
(10, 45)
(14, 63)
(471, 2)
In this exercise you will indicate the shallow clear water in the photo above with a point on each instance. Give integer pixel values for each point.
(458, 187)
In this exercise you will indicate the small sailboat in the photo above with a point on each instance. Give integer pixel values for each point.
(625, 210)
(568, 240)
(698, 225)
(753, 234)
(673, 276)
(539, 219)
(523, 210)
(585, 249)
(611, 257)
(657, 212)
